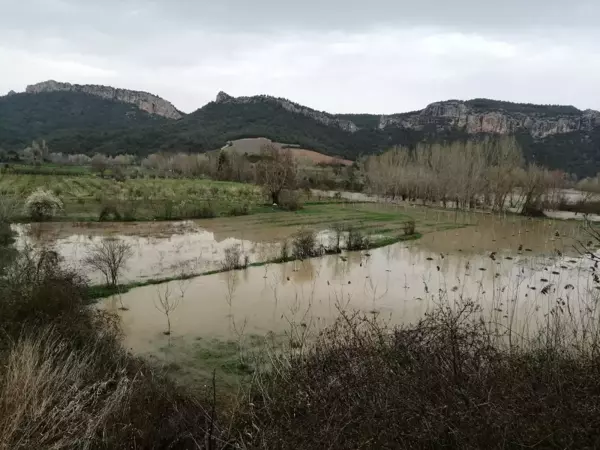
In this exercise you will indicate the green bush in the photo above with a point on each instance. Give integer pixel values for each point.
(239, 210)
(109, 212)
(409, 228)
(205, 211)
(290, 201)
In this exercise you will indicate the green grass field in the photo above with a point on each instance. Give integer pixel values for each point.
(86, 196)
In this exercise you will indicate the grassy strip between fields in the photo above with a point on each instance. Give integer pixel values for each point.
(96, 292)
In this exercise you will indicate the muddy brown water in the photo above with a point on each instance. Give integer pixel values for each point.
(160, 249)
(512, 267)
(517, 269)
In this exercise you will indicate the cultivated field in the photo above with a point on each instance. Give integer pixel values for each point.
(88, 198)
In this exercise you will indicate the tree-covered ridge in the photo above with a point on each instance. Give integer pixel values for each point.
(52, 115)
(484, 104)
(73, 122)
(362, 120)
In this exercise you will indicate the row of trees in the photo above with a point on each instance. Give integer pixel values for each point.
(464, 174)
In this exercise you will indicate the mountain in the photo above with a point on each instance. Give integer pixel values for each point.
(88, 118)
(152, 104)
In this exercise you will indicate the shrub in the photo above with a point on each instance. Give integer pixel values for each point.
(284, 251)
(206, 211)
(42, 205)
(239, 210)
(168, 207)
(338, 230)
(8, 208)
(304, 244)
(444, 382)
(233, 258)
(356, 239)
(290, 201)
(7, 235)
(66, 381)
(109, 212)
(409, 228)
(7, 251)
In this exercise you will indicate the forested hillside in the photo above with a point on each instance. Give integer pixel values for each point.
(560, 137)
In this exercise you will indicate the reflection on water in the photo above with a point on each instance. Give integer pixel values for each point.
(159, 250)
(517, 271)
(516, 268)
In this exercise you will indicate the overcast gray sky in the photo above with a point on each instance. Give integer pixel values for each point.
(377, 56)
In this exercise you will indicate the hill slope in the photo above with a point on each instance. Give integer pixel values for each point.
(70, 121)
(87, 119)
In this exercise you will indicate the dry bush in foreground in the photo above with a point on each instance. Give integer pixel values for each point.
(66, 381)
(52, 397)
(439, 384)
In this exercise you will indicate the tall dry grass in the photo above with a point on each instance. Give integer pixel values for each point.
(67, 382)
(52, 397)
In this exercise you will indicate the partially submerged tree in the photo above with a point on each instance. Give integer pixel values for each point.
(110, 257)
(276, 170)
(466, 174)
(166, 303)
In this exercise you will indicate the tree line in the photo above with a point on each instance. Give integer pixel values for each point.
(489, 173)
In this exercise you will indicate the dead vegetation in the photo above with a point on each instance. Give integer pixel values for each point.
(490, 173)
(442, 383)
(452, 380)
(66, 382)
(109, 257)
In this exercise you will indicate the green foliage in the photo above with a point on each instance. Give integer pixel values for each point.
(88, 124)
(289, 200)
(239, 210)
(88, 198)
(485, 104)
(108, 212)
(70, 122)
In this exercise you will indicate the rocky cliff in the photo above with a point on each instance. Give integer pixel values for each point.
(483, 116)
(152, 104)
(322, 117)
(473, 117)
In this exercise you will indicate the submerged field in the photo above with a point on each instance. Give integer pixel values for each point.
(170, 249)
(503, 262)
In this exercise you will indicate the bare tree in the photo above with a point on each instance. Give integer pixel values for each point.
(467, 174)
(166, 303)
(109, 257)
(276, 170)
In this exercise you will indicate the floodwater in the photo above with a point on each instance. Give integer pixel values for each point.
(569, 195)
(517, 269)
(160, 249)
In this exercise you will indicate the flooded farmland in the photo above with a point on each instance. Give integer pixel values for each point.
(517, 269)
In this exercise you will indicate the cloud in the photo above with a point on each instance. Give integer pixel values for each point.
(381, 56)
